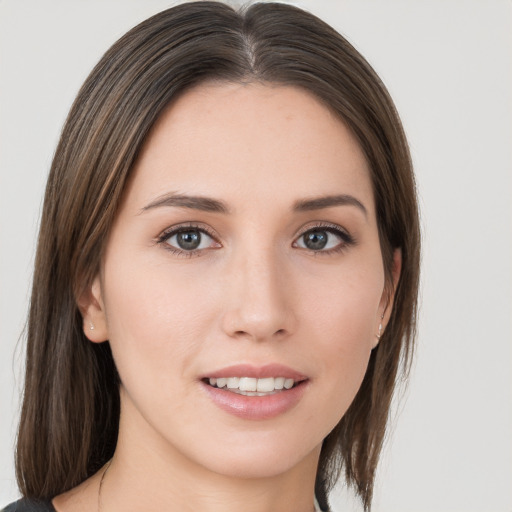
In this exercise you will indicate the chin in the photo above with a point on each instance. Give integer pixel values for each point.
(258, 457)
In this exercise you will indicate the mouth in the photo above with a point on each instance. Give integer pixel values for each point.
(250, 386)
(255, 392)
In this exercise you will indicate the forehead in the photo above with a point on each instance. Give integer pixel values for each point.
(243, 141)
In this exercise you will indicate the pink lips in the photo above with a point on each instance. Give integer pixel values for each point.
(256, 407)
(256, 372)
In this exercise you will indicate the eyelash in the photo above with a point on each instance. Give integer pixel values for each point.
(347, 239)
(168, 233)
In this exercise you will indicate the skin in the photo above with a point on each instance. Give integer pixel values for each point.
(254, 293)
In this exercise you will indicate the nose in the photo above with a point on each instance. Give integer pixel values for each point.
(259, 298)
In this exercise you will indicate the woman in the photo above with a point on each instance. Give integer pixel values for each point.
(226, 278)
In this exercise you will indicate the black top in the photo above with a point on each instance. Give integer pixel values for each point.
(26, 505)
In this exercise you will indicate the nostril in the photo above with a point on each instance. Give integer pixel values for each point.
(257, 322)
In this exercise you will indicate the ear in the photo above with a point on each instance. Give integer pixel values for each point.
(92, 307)
(388, 296)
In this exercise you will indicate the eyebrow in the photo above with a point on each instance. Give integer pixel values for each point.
(319, 203)
(206, 204)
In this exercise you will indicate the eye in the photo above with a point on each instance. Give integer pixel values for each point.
(324, 239)
(187, 239)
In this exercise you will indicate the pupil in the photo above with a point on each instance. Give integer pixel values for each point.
(315, 240)
(189, 240)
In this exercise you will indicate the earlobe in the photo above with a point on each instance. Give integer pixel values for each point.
(379, 332)
(92, 307)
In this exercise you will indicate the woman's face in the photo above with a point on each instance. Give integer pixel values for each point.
(245, 251)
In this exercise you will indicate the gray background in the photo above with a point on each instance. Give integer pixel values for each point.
(448, 65)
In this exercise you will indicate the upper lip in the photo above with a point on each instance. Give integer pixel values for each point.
(257, 372)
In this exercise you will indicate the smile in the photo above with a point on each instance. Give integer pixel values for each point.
(250, 386)
(253, 392)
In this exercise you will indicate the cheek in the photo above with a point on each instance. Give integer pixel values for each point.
(156, 321)
(342, 322)
(346, 305)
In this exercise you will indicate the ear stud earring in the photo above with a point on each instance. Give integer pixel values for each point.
(91, 327)
(379, 334)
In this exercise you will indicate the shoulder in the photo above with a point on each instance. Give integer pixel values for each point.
(26, 505)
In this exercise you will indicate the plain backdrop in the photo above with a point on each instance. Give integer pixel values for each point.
(448, 66)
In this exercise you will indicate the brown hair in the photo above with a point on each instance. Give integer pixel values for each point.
(69, 420)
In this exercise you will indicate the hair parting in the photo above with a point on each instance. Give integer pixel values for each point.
(70, 413)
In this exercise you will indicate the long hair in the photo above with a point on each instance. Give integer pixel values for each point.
(70, 414)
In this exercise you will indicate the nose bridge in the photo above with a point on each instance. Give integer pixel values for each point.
(260, 304)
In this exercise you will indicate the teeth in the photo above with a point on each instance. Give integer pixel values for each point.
(233, 382)
(252, 387)
(288, 383)
(279, 383)
(266, 384)
(248, 384)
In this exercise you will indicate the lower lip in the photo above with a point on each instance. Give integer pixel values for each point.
(256, 407)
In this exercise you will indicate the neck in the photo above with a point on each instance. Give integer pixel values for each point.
(154, 475)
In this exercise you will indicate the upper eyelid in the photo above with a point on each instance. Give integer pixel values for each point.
(172, 230)
(347, 239)
(322, 225)
(166, 234)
